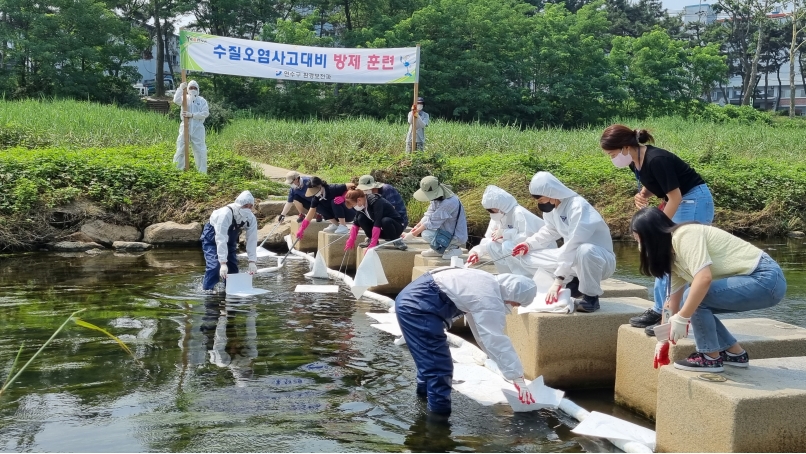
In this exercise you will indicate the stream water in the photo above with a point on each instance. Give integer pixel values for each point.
(280, 372)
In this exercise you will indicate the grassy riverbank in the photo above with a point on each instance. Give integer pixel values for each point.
(103, 162)
(55, 152)
(756, 171)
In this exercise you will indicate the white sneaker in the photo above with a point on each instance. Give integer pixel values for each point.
(331, 228)
(341, 230)
(430, 253)
(452, 253)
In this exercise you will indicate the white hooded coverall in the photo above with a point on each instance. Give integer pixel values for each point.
(516, 225)
(200, 110)
(587, 250)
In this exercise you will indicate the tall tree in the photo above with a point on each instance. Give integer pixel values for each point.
(798, 25)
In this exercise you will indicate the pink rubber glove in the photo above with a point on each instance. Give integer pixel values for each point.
(376, 234)
(340, 199)
(302, 227)
(520, 249)
(351, 239)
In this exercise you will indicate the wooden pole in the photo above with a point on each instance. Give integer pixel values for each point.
(414, 117)
(186, 121)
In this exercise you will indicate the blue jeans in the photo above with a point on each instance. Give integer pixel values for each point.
(764, 287)
(697, 205)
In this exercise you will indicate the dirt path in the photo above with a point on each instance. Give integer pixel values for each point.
(271, 172)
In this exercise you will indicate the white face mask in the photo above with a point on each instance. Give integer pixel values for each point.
(368, 192)
(294, 186)
(621, 160)
(419, 107)
(497, 216)
(359, 207)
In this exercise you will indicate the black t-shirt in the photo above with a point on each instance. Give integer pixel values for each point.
(662, 172)
(331, 192)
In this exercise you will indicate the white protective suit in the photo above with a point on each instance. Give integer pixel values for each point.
(516, 225)
(222, 218)
(587, 250)
(481, 296)
(200, 110)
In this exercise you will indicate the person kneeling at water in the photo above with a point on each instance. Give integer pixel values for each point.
(220, 239)
(427, 307)
(444, 224)
(510, 224)
(587, 250)
(376, 216)
(726, 273)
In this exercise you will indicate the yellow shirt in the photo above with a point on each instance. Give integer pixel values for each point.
(697, 246)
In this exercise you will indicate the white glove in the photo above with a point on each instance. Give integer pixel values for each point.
(224, 271)
(553, 295)
(679, 327)
(252, 268)
(187, 114)
(524, 395)
(408, 236)
(182, 86)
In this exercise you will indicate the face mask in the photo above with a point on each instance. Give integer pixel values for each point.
(294, 186)
(419, 107)
(497, 216)
(621, 160)
(368, 192)
(359, 207)
(545, 207)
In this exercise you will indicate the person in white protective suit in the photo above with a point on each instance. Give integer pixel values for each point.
(197, 112)
(426, 308)
(510, 224)
(587, 250)
(220, 240)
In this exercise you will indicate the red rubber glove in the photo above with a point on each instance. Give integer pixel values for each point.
(376, 234)
(473, 258)
(661, 354)
(520, 249)
(351, 239)
(339, 199)
(524, 395)
(302, 227)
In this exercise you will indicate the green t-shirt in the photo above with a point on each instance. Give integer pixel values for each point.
(697, 246)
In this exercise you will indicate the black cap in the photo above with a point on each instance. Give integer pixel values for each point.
(419, 100)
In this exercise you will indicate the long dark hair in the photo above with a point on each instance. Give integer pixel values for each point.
(316, 181)
(618, 136)
(654, 231)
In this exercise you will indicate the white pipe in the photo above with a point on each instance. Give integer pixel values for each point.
(566, 406)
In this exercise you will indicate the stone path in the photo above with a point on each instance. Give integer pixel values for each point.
(271, 172)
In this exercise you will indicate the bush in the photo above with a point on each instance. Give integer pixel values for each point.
(733, 114)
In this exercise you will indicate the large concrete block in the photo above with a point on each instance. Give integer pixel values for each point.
(437, 261)
(573, 350)
(758, 409)
(270, 208)
(309, 242)
(614, 288)
(418, 271)
(637, 381)
(331, 246)
(397, 266)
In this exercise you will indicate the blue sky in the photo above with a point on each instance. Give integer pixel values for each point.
(677, 5)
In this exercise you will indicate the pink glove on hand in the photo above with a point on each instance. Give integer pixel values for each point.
(302, 227)
(339, 200)
(520, 249)
(376, 234)
(473, 258)
(351, 239)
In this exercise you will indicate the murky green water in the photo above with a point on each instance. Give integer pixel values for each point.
(282, 372)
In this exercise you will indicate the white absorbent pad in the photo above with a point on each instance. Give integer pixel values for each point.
(605, 426)
(317, 289)
(241, 285)
(544, 396)
(319, 269)
(369, 274)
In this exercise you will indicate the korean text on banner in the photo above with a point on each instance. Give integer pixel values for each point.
(243, 57)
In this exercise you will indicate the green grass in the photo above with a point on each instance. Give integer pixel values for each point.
(755, 170)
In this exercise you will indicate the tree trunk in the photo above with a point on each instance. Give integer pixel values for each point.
(780, 87)
(160, 73)
(167, 43)
(348, 20)
(792, 76)
(754, 68)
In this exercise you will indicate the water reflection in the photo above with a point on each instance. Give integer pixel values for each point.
(281, 372)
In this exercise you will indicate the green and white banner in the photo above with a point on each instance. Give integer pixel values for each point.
(242, 57)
